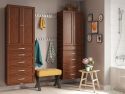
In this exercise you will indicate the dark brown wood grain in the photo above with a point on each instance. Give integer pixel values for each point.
(70, 43)
(19, 47)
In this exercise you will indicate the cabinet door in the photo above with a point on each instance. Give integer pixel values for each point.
(12, 27)
(78, 32)
(27, 25)
(67, 28)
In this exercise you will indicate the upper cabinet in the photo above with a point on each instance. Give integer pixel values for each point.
(20, 24)
(78, 28)
(72, 28)
(67, 28)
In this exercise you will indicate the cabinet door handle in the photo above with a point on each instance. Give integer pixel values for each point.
(21, 70)
(22, 25)
(72, 74)
(73, 53)
(73, 59)
(21, 54)
(21, 48)
(22, 62)
(21, 79)
(73, 66)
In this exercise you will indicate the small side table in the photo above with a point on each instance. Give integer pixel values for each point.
(93, 76)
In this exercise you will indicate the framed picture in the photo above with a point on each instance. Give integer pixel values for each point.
(90, 17)
(99, 38)
(100, 18)
(94, 27)
(89, 37)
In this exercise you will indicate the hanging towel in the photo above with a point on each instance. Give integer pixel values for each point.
(42, 23)
(51, 54)
(38, 57)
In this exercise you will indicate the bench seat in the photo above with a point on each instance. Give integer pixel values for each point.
(48, 72)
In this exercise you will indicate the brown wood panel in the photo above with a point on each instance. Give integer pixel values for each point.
(71, 69)
(15, 54)
(20, 70)
(13, 32)
(78, 33)
(20, 48)
(28, 31)
(67, 27)
(20, 62)
(69, 75)
(18, 79)
(71, 57)
(73, 47)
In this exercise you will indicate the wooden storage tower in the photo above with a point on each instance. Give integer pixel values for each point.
(70, 43)
(19, 44)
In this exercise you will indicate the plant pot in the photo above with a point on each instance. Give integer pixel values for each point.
(89, 68)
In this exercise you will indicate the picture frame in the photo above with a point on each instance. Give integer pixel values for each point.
(100, 17)
(94, 27)
(89, 38)
(90, 17)
(99, 38)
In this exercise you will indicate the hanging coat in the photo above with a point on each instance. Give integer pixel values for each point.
(38, 57)
(51, 54)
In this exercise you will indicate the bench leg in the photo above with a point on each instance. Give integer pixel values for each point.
(57, 81)
(38, 83)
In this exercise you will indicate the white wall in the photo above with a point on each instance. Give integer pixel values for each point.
(94, 49)
(115, 46)
(41, 6)
(107, 41)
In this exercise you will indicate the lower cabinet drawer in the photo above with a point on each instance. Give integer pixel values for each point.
(20, 48)
(71, 75)
(17, 75)
(18, 79)
(21, 62)
(20, 70)
(19, 55)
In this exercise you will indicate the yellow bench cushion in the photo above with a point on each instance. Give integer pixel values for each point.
(48, 72)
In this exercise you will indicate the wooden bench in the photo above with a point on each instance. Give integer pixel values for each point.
(48, 72)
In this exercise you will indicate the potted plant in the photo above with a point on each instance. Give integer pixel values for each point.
(88, 62)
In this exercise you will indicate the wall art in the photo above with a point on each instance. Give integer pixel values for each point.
(94, 27)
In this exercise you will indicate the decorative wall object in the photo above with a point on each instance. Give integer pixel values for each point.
(89, 37)
(94, 27)
(90, 17)
(42, 23)
(100, 18)
(99, 38)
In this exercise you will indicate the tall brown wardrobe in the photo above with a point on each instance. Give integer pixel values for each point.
(70, 43)
(19, 44)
